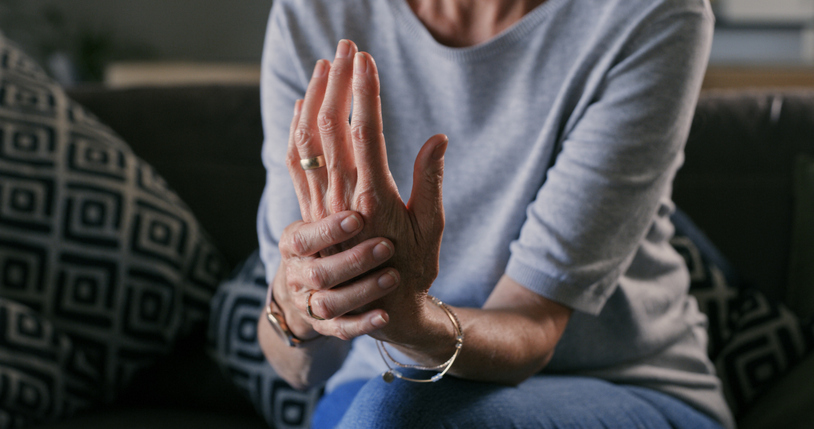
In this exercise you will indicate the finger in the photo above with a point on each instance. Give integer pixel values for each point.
(337, 302)
(329, 271)
(366, 125)
(349, 327)
(334, 128)
(302, 239)
(426, 200)
(307, 139)
(295, 169)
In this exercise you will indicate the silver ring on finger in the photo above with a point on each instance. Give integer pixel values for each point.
(312, 163)
(308, 307)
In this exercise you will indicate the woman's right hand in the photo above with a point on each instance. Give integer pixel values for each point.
(349, 274)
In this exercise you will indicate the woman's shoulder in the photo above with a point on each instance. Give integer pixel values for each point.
(629, 18)
(656, 9)
(645, 9)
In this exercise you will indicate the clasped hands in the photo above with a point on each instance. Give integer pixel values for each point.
(361, 257)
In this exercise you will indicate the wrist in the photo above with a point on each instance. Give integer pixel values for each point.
(427, 354)
(433, 338)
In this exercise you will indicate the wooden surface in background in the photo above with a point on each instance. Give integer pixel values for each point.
(758, 77)
(169, 73)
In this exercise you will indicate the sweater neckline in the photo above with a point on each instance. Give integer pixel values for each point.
(499, 43)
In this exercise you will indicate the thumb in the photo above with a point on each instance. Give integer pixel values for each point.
(426, 202)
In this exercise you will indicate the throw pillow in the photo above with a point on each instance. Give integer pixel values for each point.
(753, 340)
(712, 280)
(801, 267)
(768, 340)
(39, 369)
(233, 344)
(91, 239)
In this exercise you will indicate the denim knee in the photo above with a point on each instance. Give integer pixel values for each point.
(399, 404)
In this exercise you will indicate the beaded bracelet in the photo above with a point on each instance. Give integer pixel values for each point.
(393, 373)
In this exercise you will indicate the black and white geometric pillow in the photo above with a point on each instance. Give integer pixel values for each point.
(715, 295)
(91, 238)
(54, 381)
(768, 340)
(233, 344)
(753, 340)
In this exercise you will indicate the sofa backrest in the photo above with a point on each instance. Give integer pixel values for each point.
(204, 141)
(736, 182)
(737, 179)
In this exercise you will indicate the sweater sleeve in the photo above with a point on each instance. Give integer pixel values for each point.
(616, 165)
(283, 81)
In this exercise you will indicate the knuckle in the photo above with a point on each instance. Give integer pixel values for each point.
(292, 277)
(303, 136)
(286, 246)
(336, 71)
(368, 200)
(343, 333)
(290, 274)
(292, 160)
(336, 201)
(365, 87)
(365, 132)
(356, 262)
(315, 276)
(433, 180)
(323, 307)
(328, 120)
(299, 243)
(326, 233)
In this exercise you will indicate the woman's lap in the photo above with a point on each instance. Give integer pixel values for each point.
(540, 402)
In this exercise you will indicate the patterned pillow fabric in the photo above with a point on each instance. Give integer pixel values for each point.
(712, 280)
(233, 344)
(753, 340)
(51, 363)
(768, 340)
(93, 241)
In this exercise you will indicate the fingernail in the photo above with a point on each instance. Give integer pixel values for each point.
(297, 107)
(378, 321)
(360, 63)
(440, 150)
(350, 224)
(388, 280)
(320, 68)
(382, 251)
(343, 49)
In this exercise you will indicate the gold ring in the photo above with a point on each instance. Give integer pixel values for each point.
(312, 163)
(308, 307)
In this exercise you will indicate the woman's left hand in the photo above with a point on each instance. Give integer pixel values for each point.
(358, 178)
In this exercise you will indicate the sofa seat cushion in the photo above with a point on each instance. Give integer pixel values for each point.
(93, 241)
(159, 418)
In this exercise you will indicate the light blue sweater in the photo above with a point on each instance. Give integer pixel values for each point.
(565, 132)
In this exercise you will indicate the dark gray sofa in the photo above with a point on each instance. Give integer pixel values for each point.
(205, 141)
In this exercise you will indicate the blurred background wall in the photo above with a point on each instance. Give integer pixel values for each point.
(141, 42)
(78, 39)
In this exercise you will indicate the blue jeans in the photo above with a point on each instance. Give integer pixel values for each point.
(544, 401)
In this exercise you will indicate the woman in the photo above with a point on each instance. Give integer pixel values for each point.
(564, 123)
